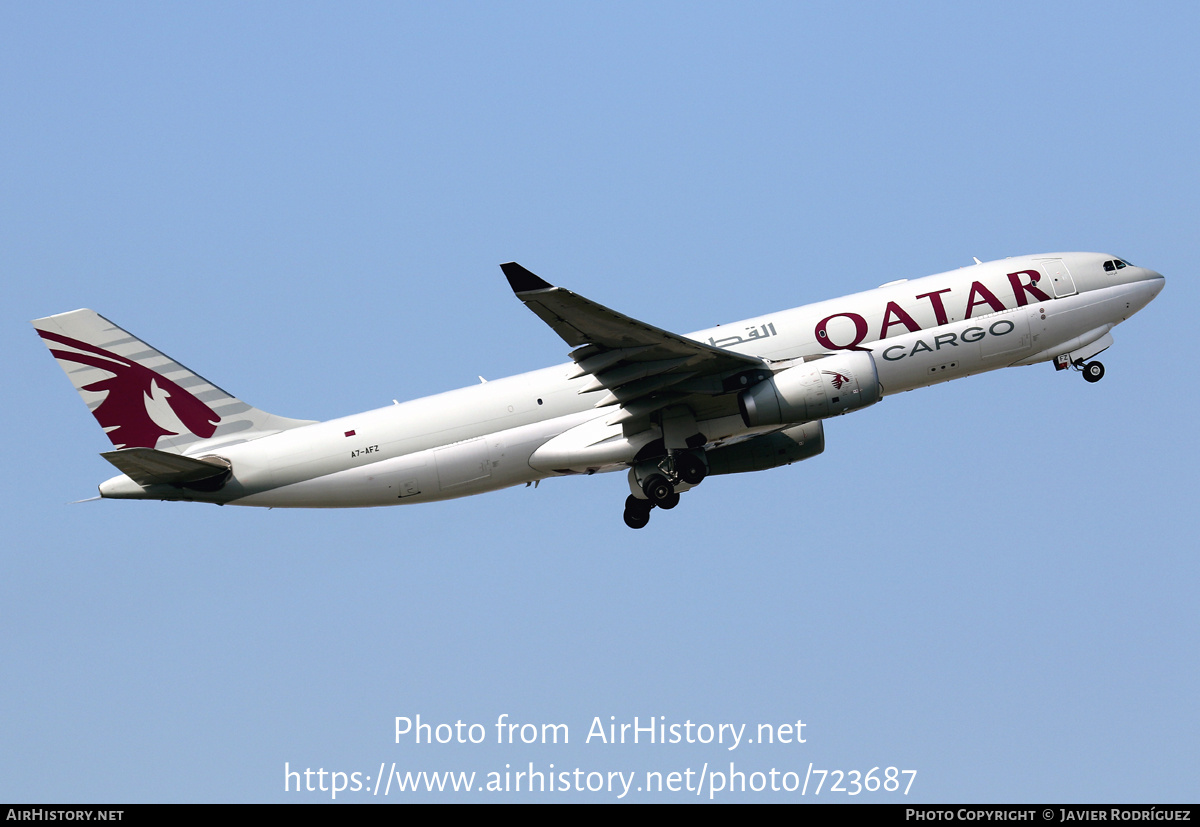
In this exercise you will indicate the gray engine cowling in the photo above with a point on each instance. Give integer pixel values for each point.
(815, 390)
(793, 444)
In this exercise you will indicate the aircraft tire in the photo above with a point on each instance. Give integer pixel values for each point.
(690, 469)
(670, 502)
(637, 512)
(636, 520)
(1093, 372)
(658, 489)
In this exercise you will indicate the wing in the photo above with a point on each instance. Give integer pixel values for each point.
(644, 369)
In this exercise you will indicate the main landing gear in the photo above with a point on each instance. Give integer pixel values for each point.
(1092, 371)
(656, 482)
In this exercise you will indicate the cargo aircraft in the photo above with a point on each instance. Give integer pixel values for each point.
(669, 409)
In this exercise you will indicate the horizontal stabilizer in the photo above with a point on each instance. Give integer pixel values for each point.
(146, 466)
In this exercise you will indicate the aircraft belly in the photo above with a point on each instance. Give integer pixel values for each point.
(412, 478)
(471, 466)
(463, 463)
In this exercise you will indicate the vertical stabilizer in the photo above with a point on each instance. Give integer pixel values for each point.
(143, 398)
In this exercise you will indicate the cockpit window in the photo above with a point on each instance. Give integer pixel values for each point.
(1116, 264)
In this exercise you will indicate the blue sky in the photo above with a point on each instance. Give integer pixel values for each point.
(991, 581)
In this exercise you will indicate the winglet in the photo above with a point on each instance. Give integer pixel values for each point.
(521, 280)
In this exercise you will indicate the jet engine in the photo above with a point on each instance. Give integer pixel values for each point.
(815, 390)
(793, 444)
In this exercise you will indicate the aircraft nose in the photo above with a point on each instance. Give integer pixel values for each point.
(1157, 282)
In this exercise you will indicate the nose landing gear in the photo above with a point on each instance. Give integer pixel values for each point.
(1093, 372)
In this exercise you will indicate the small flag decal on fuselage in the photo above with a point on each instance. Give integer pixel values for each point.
(349, 433)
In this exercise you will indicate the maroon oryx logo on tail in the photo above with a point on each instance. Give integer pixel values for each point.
(124, 414)
(838, 379)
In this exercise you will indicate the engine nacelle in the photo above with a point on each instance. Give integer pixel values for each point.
(815, 390)
(793, 444)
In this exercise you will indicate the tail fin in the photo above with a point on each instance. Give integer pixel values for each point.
(144, 399)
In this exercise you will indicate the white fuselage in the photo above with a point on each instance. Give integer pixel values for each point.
(1016, 311)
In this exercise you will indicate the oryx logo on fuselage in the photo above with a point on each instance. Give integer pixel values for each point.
(125, 413)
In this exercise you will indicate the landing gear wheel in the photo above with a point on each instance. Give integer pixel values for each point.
(658, 489)
(670, 502)
(637, 512)
(690, 468)
(1093, 372)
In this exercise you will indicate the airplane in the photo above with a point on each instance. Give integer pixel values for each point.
(671, 410)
